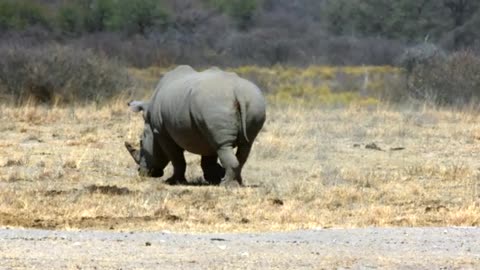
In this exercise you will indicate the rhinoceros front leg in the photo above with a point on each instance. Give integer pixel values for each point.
(212, 171)
(175, 154)
(179, 168)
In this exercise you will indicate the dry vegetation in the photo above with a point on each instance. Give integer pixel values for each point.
(360, 85)
(312, 166)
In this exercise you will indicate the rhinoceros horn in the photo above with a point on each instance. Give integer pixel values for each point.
(134, 152)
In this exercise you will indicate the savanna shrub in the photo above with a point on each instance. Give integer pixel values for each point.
(421, 54)
(138, 16)
(61, 74)
(129, 16)
(454, 80)
(241, 11)
(20, 14)
(71, 19)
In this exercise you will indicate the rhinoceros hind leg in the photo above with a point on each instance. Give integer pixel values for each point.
(232, 167)
(230, 184)
(243, 151)
(212, 171)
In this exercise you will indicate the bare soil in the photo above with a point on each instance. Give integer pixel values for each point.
(399, 248)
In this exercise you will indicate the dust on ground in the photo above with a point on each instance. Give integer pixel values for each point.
(404, 248)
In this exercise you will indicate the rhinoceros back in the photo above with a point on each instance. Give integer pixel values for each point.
(203, 111)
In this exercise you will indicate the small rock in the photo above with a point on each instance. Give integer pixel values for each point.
(244, 220)
(277, 201)
(373, 146)
(218, 239)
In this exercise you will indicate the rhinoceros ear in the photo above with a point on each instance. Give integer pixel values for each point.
(138, 106)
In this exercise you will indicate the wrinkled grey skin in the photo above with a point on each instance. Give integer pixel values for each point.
(207, 113)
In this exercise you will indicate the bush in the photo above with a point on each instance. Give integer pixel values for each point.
(62, 74)
(360, 51)
(138, 16)
(454, 80)
(71, 19)
(134, 51)
(420, 55)
(20, 14)
(130, 16)
(98, 15)
(241, 11)
(262, 47)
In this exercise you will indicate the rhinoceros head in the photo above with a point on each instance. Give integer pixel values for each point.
(149, 157)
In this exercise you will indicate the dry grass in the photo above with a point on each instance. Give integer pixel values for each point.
(67, 168)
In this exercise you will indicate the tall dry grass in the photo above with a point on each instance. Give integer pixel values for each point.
(66, 167)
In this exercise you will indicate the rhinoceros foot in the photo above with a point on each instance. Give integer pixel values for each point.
(214, 175)
(176, 181)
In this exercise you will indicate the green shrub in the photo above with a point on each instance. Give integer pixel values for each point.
(99, 14)
(240, 10)
(131, 16)
(19, 14)
(138, 16)
(71, 19)
(59, 74)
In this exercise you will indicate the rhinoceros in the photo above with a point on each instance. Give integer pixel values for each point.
(208, 113)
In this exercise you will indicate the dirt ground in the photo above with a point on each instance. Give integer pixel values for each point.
(369, 248)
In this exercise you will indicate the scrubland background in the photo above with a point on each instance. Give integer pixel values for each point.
(372, 112)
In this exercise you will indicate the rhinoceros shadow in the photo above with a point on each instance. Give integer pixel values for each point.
(200, 182)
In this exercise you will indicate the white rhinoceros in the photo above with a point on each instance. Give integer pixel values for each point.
(208, 113)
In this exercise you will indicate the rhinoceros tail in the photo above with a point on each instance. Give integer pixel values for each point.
(242, 109)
